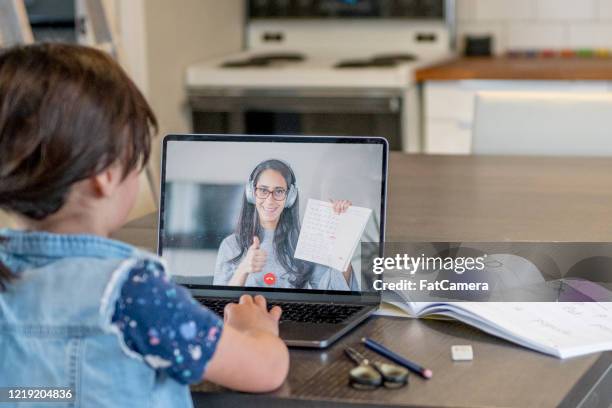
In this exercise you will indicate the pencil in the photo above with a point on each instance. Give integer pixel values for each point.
(396, 358)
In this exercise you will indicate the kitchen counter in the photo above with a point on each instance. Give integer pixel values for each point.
(502, 68)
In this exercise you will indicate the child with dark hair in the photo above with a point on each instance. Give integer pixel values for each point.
(77, 309)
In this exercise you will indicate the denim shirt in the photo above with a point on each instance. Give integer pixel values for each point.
(55, 322)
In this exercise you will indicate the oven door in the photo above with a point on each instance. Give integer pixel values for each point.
(342, 112)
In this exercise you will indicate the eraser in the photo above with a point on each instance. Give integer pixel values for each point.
(462, 353)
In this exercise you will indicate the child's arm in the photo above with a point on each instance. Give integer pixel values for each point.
(249, 356)
(162, 323)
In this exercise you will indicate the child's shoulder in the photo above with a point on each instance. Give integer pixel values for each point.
(139, 266)
(144, 256)
(147, 263)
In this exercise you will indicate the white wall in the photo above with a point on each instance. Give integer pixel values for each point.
(14, 24)
(528, 24)
(158, 39)
(323, 171)
(161, 38)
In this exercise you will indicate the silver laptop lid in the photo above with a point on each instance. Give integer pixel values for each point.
(242, 213)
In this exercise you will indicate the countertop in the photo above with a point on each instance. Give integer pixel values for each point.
(536, 68)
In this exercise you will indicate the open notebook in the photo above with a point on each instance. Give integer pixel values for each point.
(560, 329)
(330, 239)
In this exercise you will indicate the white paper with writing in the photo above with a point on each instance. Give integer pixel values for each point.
(330, 239)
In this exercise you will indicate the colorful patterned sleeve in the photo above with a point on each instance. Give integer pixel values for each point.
(162, 322)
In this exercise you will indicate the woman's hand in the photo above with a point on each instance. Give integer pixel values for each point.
(341, 206)
(255, 258)
(347, 274)
(253, 262)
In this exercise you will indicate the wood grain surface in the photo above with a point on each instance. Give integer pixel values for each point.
(488, 198)
(500, 68)
(501, 374)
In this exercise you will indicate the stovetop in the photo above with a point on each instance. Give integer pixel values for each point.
(299, 69)
(264, 60)
(382, 60)
(271, 60)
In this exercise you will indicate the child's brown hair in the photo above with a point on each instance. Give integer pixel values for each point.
(67, 112)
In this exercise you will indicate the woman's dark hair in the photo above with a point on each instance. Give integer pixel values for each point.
(286, 233)
(67, 113)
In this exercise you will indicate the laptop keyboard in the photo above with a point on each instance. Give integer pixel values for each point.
(297, 312)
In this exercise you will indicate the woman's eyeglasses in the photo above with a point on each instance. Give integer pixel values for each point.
(279, 194)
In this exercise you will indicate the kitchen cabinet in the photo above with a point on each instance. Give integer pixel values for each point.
(448, 106)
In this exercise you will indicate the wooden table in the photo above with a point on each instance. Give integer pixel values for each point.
(460, 198)
(487, 198)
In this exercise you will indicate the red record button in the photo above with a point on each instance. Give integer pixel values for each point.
(269, 278)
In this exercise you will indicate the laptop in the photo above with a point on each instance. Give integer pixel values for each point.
(232, 216)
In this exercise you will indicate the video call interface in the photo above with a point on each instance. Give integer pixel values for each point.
(277, 215)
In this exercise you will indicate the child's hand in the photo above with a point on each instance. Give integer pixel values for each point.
(340, 206)
(249, 356)
(251, 314)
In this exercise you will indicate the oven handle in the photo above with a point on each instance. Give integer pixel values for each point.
(297, 104)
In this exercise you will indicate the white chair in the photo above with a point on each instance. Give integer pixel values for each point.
(543, 124)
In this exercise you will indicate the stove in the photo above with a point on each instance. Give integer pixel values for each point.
(357, 55)
(320, 77)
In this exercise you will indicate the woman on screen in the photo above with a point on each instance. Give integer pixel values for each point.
(260, 252)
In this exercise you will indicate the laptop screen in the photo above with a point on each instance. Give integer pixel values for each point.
(271, 213)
